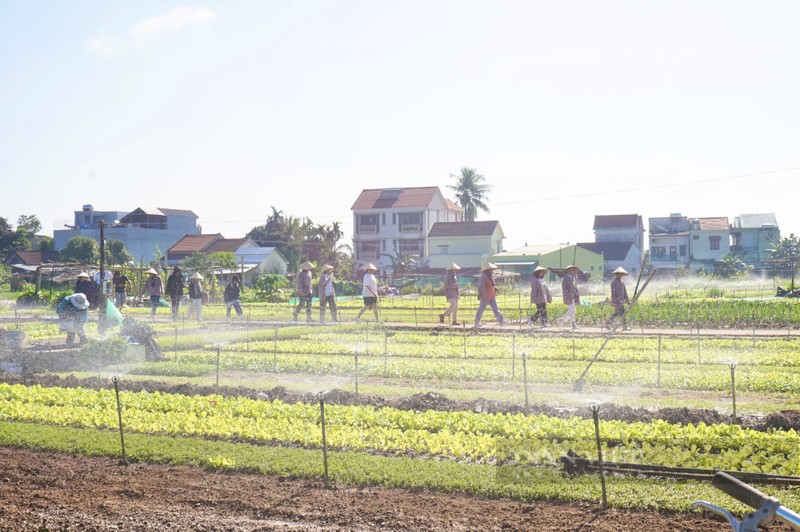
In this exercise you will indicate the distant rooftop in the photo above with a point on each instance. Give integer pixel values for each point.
(452, 229)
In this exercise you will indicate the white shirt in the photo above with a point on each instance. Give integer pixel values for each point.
(107, 275)
(370, 282)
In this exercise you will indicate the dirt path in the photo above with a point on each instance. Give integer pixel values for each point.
(97, 494)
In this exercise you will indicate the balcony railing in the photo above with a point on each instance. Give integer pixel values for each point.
(368, 255)
(367, 229)
(409, 228)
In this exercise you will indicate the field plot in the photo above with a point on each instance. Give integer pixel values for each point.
(442, 409)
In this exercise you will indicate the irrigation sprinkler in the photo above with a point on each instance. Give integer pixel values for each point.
(513, 343)
(355, 372)
(216, 384)
(525, 378)
(699, 362)
(595, 408)
(658, 381)
(581, 382)
(464, 328)
(733, 387)
(275, 351)
(115, 380)
(385, 352)
(324, 439)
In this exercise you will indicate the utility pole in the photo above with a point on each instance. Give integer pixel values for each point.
(101, 301)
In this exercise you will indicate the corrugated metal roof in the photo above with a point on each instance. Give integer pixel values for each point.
(754, 221)
(451, 229)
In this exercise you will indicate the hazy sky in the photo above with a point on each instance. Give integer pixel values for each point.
(569, 109)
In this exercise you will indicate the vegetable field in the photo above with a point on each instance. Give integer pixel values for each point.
(408, 404)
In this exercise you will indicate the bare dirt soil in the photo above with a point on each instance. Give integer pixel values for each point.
(58, 492)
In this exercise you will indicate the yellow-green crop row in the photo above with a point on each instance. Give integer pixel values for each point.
(489, 438)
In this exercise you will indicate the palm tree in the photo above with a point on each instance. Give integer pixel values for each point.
(470, 192)
(786, 253)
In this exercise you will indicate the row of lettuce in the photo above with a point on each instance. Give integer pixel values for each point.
(533, 440)
(489, 455)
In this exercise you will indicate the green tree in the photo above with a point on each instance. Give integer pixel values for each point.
(117, 253)
(786, 254)
(81, 249)
(269, 287)
(470, 192)
(29, 224)
(46, 244)
(732, 266)
(11, 240)
(300, 239)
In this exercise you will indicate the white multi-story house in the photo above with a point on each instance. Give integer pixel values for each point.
(389, 222)
(468, 244)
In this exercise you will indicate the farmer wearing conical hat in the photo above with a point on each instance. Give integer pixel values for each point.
(487, 294)
(326, 293)
(369, 292)
(72, 315)
(174, 290)
(451, 293)
(304, 293)
(619, 298)
(570, 294)
(153, 287)
(540, 296)
(196, 297)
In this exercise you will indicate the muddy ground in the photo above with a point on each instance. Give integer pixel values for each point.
(58, 492)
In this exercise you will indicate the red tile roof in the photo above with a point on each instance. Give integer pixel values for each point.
(407, 197)
(33, 258)
(719, 223)
(226, 244)
(193, 243)
(452, 205)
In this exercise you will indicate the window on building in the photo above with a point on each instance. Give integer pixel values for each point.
(394, 218)
(383, 218)
(658, 252)
(383, 245)
(683, 251)
(367, 223)
(695, 237)
(673, 252)
(443, 250)
(410, 222)
(713, 242)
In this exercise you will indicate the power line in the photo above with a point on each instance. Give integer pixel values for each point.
(651, 187)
